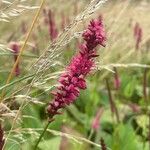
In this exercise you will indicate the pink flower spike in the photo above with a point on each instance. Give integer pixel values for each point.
(53, 31)
(73, 80)
(96, 121)
(15, 48)
(138, 33)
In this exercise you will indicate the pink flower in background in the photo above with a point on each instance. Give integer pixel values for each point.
(15, 48)
(2, 140)
(53, 32)
(96, 121)
(136, 28)
(73, 80)
(134, 107)
(49, 19)
(139, 38)
(138, 33)
(117, 81)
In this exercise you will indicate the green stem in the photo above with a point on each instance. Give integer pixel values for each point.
(42, 134)
(114, 109)
(145, 85)
(91, 134)
(16, 81)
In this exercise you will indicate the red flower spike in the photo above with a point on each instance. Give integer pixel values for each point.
(73, 80)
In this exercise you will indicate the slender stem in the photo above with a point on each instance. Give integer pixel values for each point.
(23, 47)
(1, 137)
(116, 76)
(42, 134)
(91, 134)
(149, 131)
(112, 103)
(145, 85)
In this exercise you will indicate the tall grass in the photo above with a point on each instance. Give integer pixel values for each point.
(41, 61)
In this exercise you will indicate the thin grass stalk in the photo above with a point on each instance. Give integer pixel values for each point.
(23, 47)
(103, 145)
(145, 85)
(112, 104)
(42, 134)
(116, 79)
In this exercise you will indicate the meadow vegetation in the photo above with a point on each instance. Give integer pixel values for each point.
(40, 39)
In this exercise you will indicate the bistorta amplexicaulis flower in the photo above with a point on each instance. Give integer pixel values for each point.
(138, 33)
(73, 80)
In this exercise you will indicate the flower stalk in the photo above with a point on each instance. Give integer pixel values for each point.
(15, 48)
(117, 81)
(42, 134)
(1, 138)
(113, 107)
(145, 85)
(138, 33)
(53, 32)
